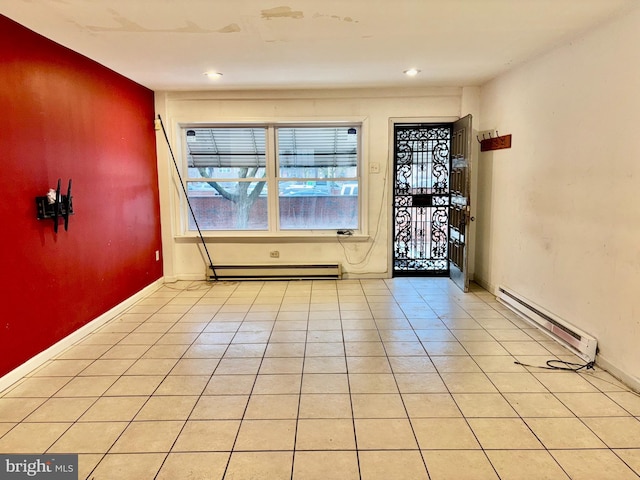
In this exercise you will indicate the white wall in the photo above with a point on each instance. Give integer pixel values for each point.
(559, 213)
(183, 258)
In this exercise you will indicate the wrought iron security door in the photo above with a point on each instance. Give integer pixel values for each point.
(421, 199)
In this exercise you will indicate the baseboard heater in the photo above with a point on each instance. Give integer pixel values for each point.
(581, 343)
(316, 271)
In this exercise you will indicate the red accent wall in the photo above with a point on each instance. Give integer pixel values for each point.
(65, 116)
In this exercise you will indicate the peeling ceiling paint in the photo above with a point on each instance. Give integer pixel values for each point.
(282, 12)
(167, 44)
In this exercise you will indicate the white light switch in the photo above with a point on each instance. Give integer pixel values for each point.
(374, 167)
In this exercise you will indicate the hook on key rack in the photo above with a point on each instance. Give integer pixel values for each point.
(55, 205)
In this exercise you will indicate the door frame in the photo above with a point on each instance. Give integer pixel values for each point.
(389, 180)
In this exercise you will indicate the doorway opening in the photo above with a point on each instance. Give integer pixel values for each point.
(431, 192)
(421, 199)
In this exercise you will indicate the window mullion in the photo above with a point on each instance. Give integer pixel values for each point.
(272, 179)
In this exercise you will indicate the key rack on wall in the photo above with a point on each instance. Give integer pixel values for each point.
(54, 205)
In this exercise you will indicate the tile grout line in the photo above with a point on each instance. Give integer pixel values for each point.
(255, 380)
(304, 358)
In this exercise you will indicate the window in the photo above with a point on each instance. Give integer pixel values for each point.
(273, 178)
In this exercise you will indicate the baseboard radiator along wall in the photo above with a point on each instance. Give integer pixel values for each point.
(317, 271)
(581, 343)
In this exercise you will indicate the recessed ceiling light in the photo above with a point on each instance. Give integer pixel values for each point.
(213, 75)
(412, 72)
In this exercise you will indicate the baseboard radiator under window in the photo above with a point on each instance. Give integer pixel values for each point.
(317, 271)
(581, 343)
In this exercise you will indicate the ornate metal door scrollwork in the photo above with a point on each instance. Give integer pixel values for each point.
(421, 199)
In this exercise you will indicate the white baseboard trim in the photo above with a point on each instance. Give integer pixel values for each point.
(41, 358)
(629, 380)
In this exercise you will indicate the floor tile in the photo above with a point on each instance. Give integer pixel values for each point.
(516, 382)
(526, 348)
(238, 366)
(277, 384)
(114, 409)
(88, 437)
(628, 400)
(397, 434)
(499, 363)
(430, 405)
(455, 364)
(230, 385)
(207, 436)
(325, 434)
(468, 383)
(525, 465)
(350, 379)
(411, 364)
(392, 465)
(194, 366)
(34, 387)
(135, 385)
(266, 435)
(458, 465)
(220, 407)
(590, 464)
(155, 436)
(444, 348)
(205, 351)
(34, 438)
(325, 383)
(565, 382)
(62, 368)
(61, 409)
(195, 466)
(481, 348)
(325, 364)
(484, 405)
(272, 407)
(286, 349)
(83, 351)
(364, 349)
(86, 386)
(128, 466)
(372, 383)
(325, 406)
(503, 433)
(616, 432)
(589, 404)
(260, 466)
(631, 457)
(170, 407)
(537, 405)
(444, 434)
(378, 406)
(87, 462)
(325, 465)
(566, 433)
(404, 349)
(182, 385)
(152, 366)
(420, 383)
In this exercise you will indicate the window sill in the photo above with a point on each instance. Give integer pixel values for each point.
(271, 238)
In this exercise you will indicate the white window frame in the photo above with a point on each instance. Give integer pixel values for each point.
(273, 232)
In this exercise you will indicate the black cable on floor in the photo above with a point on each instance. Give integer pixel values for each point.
(568, 366)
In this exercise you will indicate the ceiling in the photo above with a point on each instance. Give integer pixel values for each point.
(283, 44)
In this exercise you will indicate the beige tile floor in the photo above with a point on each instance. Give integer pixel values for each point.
(369, 379)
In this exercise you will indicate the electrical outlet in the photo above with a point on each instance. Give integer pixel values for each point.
(274, 254)
(374, 167)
